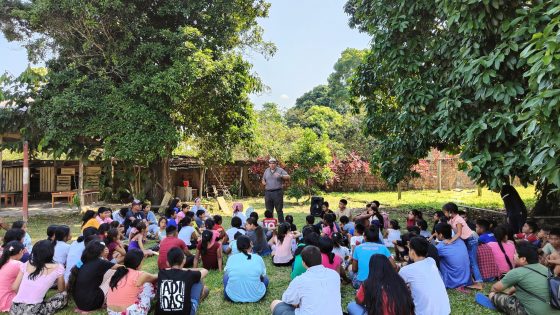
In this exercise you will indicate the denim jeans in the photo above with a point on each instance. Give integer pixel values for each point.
(196, 292)
(472, 245)
(356, 309)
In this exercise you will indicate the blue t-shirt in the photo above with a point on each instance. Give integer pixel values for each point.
(244, 283)
(171, 222)
(362, 253)
(454, 264)
(486, 238)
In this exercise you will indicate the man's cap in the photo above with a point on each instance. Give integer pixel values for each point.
(272, 160)
(136, 202)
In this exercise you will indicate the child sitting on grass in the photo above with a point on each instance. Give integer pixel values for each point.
(290, 219)
(393, 233)
(347, 226)
(281, 244)
(209, 252)
(269, 223)
(528, 232)
(162, 223)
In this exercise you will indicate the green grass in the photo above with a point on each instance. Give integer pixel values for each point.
(279, 276)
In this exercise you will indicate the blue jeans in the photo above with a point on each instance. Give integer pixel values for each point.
(472, 246)
(196, 292)
(356, 309)
(264, 279)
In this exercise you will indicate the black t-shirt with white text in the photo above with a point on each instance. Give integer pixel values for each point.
(174, 291)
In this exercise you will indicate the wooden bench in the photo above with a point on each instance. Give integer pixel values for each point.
(11, 197)
(62, 194)
(91, 196)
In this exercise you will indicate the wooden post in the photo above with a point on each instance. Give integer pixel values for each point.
(479, 191)
(240, 182)
(201, 188)
(25, 192)
(439, 176)
(399, 191)
(81, 183)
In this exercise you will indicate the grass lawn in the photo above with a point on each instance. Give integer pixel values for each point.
(280, 276)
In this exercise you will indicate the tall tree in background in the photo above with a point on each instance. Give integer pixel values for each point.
(453, 75)
(133, 77)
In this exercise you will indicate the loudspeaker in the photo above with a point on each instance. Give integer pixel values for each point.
(316, 206)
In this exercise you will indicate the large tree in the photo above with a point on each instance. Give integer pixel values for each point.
(452, 75)
(134, 77)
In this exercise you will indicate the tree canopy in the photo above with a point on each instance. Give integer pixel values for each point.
(134, 77)
(475, 77)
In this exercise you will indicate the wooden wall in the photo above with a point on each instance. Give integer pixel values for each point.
(13, 179)
(47, 177)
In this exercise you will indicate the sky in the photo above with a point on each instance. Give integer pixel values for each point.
(309, 35)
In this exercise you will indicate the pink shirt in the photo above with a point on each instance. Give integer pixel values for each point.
(499, 256)
(325, 262)
(127, 290)
(283, 251)
(180, 216)
(8, 274)
(41, 284)
(328, 232)
(466, 232)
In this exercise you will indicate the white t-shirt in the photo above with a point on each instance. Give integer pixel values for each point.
(185, 234)
(61, 250)
(392, 235)
(426, 285)
(356, 240)
(232, 231)
(341, 252)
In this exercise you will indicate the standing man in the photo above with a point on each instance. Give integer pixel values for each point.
(273, 178)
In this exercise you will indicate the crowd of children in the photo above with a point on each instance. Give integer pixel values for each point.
(102, 268)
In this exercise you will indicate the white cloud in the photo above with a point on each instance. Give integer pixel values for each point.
(284, 97)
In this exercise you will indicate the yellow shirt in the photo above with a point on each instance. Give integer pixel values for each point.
(91, 223)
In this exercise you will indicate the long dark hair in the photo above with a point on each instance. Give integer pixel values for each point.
(87, 232)
(501, 235)
(338, 239)
(132, 260)
(112, 235)
(258, 231)
(13, 235)
(41, 255)
(90, 214)
(330, 218)
(62, 231)
(93, 251)
(11, 249)
(282, 231)
(326, 246)
(243, 244)
(383, 279)
(206, 238)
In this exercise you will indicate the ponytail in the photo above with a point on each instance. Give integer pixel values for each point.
(206, 238)
(501, 234)
(120, 273)
(243, 245)
(132, 260)
(11, 249)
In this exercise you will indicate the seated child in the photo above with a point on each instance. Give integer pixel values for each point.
(290, 219)
(209, 252)
(310, 220)
(483, 230)
(347, 226)
(281, 244)
(35, 278)
(181, 214)
(218, 226)
(117, 250)
(529, 232)
(358, 237)
(162, 223)
(62, 235)
(104, 215)
(235, 228)
(238, 212)
(329, 226)
(200, 218)
(423, 225)
(454, 259)
(552, 251)
(393, 233)
(340, 249)
(131, 289)
(10, 265)
(179, 290)
(27, 238)
(258, 237)
(138, 238)
(542, 237)
(269, 223)
(232, 246)
(188, 233)
(171, 216)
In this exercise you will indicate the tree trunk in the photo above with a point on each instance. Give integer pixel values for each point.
(81, 183)
(548, 203)
(161, 179)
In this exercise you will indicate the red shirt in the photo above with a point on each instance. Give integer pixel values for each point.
(360, 299)
(270, 223)
(164, 247)
(529, 237)
(210, 259)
